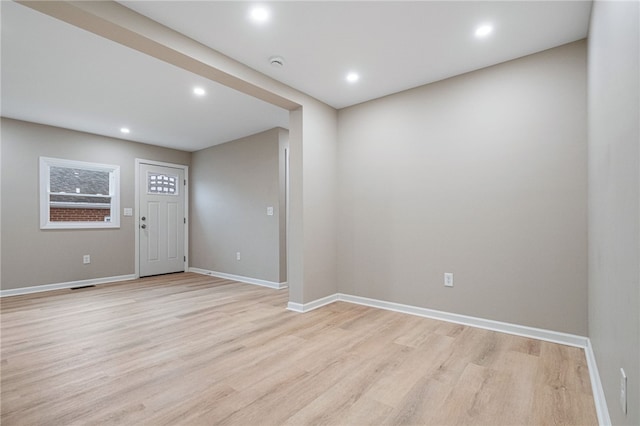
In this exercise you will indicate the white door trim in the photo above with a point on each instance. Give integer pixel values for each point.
(136, 213)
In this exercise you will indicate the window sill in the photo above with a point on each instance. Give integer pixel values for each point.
(80, 225)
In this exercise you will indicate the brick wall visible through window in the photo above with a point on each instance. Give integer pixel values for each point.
(58, 214)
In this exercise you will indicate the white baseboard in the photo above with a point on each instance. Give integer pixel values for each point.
(306, 307)
(596, 387)
(239, 278)
(70, 284)
(503, 327)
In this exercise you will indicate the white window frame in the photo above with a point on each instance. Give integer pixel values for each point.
(45, 189)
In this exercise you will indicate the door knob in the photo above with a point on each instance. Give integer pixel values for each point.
(143, 218)
(143, 226)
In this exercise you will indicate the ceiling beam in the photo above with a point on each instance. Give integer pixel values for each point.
(116, 22)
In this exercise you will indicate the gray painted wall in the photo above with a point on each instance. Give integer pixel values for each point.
(32, 256)
(312, 272)
(614, 198)
(232, 185)
(320, 204)
(482, 175)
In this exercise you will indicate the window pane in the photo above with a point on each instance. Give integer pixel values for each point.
(61, 213)
(79, 181)
(162, 184)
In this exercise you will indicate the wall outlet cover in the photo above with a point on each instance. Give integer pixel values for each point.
(448, 279)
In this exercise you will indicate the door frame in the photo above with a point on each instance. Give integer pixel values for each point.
(136, 212)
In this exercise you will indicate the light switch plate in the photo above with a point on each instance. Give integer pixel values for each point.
(270, 211)
(128, 211)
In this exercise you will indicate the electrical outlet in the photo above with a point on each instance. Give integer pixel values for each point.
(86, 259)
(237, 255)
(448, 279)
(270, 211)
(623, 391)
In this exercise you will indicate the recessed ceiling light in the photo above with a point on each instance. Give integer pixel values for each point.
(259, 14)
(199, 91)
(125, 130)
(484, 30)
(352, 77)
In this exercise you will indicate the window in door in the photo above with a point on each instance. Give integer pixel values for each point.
(162, 184)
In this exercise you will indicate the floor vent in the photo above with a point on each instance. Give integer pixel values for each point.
(81, 287)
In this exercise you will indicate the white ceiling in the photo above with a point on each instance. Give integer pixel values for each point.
(393, 45)
(58, 74)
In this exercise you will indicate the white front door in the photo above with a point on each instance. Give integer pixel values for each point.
(161, 219)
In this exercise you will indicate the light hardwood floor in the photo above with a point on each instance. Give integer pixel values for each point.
(191, 349)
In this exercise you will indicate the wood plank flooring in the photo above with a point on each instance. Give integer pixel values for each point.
(197, 350)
